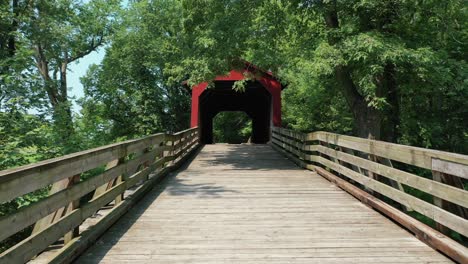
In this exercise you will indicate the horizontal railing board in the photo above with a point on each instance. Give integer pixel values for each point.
(25, 179)
(131, 144)
(444, 191)
(446, 162)
(289, 155)
(180, 152)
(287, 147)
(141, 175)
(449, 167)
(420, 157)
(290, 142)
(27, 216)
(290, 133)
(438, 214)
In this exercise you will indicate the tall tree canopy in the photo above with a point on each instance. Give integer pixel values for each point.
(41, 39)
(393, 70)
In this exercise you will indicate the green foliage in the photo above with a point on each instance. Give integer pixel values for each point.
(24, 139)
(232, 127)
(405, 59)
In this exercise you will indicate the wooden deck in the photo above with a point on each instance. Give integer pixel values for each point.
(249, 204)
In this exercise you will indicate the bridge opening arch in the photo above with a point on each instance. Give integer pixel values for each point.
(260, 100)
(255, 101)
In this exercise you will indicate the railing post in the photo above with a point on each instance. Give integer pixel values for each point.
(72, 206)
(103, 188)
(453, 208)
(51, 218)
(117, 181)
(393, 183)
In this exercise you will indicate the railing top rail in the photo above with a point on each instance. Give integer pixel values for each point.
(333, 137)
(68, 157)
(51, 162)
(443, 161)
(40, 174)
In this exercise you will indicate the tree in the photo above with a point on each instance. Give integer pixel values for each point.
(43, 38)
(224, 124)
(142, 98)
(374, 53)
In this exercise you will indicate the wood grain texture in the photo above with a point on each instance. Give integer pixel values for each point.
(21, 180)
(420, 157)
(444, 191)
(249, 204)
(333, 158)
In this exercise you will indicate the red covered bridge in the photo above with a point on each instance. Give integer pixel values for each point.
(261, 101)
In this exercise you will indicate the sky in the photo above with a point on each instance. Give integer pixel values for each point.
(77, 70)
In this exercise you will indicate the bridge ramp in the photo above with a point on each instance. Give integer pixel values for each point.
(249, 204)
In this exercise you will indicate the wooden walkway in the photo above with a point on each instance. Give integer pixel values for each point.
(249, 204)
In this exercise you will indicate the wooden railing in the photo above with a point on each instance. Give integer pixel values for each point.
(381, 169)
(129, 169)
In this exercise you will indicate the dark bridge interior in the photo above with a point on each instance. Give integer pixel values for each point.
(255, 101)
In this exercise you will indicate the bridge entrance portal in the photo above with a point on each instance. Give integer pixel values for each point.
(260, 100)
(255, 102)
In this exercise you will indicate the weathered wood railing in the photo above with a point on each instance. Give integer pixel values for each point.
(134, 165)
(368, 164)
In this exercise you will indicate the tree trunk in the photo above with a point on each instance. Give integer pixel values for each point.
(14, 28)
(389, 90)
(57, 93)
(368, 120)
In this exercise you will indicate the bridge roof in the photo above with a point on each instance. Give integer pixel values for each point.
(246, 68)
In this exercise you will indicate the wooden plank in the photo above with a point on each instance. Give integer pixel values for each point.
(420, 157)
(448, 167)
(444, 191)
(18, 181)
(448, 219)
